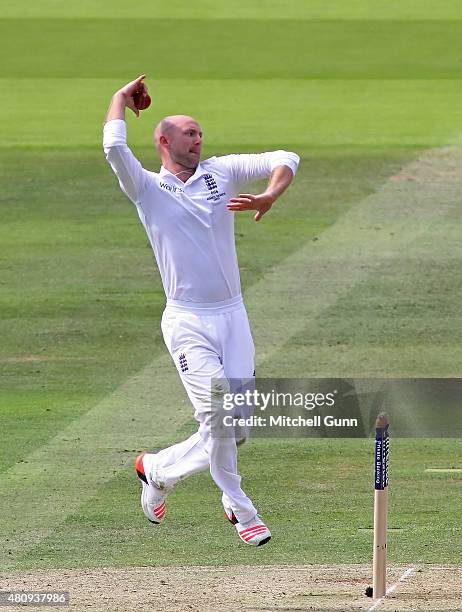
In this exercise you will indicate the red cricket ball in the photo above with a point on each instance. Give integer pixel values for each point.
(141, 100)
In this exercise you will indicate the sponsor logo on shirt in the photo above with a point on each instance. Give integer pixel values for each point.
(172, 188)
(213, 188)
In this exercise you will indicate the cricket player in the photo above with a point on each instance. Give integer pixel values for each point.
(187, 210)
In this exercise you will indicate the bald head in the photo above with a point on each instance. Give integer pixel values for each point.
(163, 128)
(167, 125)
(178, 139)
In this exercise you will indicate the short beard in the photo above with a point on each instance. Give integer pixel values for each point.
(185, 161)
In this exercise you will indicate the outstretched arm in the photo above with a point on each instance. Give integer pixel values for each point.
(124, 98)
(132, 177)
(280, 179)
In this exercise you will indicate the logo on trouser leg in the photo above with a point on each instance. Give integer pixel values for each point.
(183, 362)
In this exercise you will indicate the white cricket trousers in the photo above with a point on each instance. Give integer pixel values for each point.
(205, 343)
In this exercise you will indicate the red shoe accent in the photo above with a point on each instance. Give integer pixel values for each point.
(250, 536)
(140, 468)
(232, 519)
(252, 529)
(255, 534)
(160, 511)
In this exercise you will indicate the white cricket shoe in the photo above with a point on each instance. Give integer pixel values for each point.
(152, 497)
(253, 532)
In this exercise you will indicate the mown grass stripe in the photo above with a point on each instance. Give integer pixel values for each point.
(242, 9)
(380, 228)
(58, 478)
(326, 49)
(277, 112)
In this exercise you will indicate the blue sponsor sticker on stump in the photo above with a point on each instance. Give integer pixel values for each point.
(382, 453)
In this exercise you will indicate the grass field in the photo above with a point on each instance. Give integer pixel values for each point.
(355, 273)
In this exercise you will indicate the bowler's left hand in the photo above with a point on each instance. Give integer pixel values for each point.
(248, 201)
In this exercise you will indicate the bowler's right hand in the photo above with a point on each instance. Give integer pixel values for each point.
(129, 90)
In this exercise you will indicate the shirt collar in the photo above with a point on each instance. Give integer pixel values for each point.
(200, 171)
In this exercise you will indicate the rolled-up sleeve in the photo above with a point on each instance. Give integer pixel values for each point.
(246, 168)
(130, 173)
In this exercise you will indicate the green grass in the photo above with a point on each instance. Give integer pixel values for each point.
(242, 114)
(247, 48)
(81, 295)
(219, 9)
(359, 90)
(388, 325)
(320, 511)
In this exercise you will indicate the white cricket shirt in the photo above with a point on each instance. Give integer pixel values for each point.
(189, 227)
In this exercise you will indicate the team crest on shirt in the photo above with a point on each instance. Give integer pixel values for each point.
(212, 187)
(183, 362)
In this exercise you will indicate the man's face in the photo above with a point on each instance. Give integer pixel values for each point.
(185, 143)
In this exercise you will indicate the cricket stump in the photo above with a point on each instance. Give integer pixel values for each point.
(382, 452)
